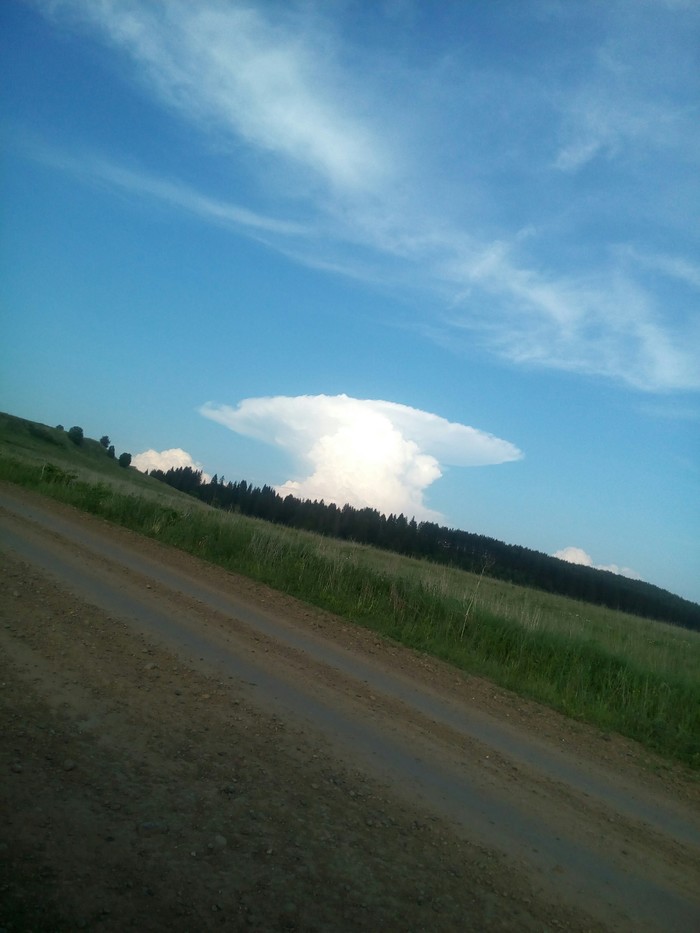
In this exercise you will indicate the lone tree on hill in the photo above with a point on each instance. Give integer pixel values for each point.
(124, 460)
(76, 435)
(104, 441)
(110, 451)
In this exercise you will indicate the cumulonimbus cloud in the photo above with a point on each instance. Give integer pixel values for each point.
(576, 555)
(365, 452)
(165, 460)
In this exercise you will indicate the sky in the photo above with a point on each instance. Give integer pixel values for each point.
(438, 258)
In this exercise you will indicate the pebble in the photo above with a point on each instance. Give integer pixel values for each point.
(68, 764)
(153, 827)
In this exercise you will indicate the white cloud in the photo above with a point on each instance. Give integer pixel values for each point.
(268, 79)
(576, 555)
(603, 324)
(620, 106)
(166, 459)
(288, 93)
(182, 196)
(173, 193)
(362, 452)
(675, 267)
(602, 126)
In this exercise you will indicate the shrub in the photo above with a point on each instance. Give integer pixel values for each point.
(124, 460)
(76, 435)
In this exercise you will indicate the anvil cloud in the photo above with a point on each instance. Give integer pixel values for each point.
(365, 452)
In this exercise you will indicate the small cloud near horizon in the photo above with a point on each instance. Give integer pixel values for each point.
(364, 452)
(165, 460)
(576, 555)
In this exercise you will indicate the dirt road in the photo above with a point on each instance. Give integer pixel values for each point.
(186, 750)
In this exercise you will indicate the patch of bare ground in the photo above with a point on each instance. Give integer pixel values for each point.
(147, 789)
(139, 793)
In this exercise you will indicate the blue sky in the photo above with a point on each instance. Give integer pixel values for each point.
(439, 258)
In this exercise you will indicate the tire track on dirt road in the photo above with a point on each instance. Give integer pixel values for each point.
(587, 838)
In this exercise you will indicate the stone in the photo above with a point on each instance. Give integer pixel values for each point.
(153, 827)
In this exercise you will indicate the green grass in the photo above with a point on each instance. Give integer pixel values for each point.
(30, 443)
(622, 673)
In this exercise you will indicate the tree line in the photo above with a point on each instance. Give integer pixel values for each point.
(428, 540)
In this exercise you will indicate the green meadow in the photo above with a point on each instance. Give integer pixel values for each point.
(622, 673)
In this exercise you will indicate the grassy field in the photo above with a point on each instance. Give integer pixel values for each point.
(620, 672)
(30, 443)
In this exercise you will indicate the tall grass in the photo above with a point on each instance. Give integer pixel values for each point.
(634, 676)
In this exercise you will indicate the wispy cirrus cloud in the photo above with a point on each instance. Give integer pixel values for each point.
(238, 71)
(368, 453)
(172, 193)
(600, 323)
(600, 125)
(635, 98)
(675, 267)
(275, 81)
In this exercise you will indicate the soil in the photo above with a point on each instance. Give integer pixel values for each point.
(245, 768)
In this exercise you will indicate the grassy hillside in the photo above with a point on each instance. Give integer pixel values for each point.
(32, 443)
(620, 672)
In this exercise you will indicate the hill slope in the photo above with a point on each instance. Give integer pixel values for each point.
(426, 540)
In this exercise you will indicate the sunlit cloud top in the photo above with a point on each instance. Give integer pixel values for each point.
(173, 458)
(362, 452)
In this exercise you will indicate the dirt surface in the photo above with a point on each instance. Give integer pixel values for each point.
(183, 749)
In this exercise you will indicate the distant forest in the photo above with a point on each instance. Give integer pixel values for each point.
(443, 545)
